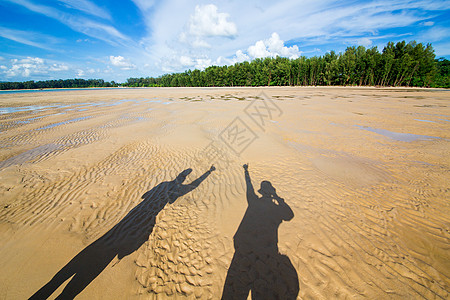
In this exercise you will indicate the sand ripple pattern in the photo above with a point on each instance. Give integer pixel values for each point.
(370, 213)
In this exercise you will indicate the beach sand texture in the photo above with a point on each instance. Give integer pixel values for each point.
(88, 192)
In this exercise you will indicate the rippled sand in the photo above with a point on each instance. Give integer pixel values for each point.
(84, 177)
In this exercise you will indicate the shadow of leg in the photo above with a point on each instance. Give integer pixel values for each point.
(65, 273)
(86, 266)
(238, 281)
(275, 277)
(288, 278)
(91, 268)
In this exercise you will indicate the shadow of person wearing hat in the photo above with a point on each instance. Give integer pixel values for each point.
(257, 266)
(121, 240)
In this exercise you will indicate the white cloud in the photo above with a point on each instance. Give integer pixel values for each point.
(87, 7)
(58, 67)
(84, 72)
(86, 26)
(29, 66)
(207, 21)
(259, 50)
(179, 34)
(198, 43)
(144, 5)
(186, 61)
(273, 47)
(435, 34)
(241, 56)
(121, 62)
(366, 42)
(29, 38)
(98, 30)
(203, 63)
(178, 63)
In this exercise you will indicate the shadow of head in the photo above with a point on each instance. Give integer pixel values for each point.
(266, 189)
(182, 176)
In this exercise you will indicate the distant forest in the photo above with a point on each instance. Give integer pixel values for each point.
(402, 64)
(56, 84)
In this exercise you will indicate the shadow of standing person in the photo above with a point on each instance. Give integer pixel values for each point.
(257, 266)
(121, 240)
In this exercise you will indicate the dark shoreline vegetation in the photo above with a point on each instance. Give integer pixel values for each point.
(403, 64)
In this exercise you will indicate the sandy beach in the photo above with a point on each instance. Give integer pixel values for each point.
(110, 194)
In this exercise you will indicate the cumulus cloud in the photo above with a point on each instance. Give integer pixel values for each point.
(176, 63)
(198, 33)
(84, 72)
(241, 56)
(26, 67)
(273, 47)
(199, 43)
(186, 61)
(259, 50)
(207, 21)
(194, 62)
(366, 42)
(202, 62)
(58, 67)
(29, 66)
(121, 62)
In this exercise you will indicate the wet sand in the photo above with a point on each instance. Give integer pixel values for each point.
(88, 189)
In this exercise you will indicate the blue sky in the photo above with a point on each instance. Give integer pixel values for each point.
(118, 39)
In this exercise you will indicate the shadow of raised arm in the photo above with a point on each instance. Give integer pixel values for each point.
(121, 240)
(257, 265)
(194, 184)
(251, 195)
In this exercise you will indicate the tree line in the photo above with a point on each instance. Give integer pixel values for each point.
(401, 64)
(53, 84)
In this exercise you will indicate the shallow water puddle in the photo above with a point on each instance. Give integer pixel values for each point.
(63, 123)
(424, 120)
(398, 136)
(68, 107)
(105, 104)
(27, 121)
(29, 155)
(9, 110)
